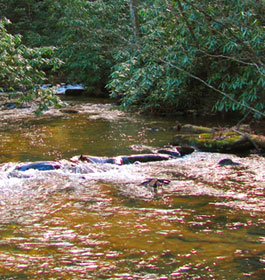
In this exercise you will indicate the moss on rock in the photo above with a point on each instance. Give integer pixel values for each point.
(215, 142)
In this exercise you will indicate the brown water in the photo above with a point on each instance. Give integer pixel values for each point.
(96, 221)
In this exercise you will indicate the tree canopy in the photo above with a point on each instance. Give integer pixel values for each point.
(22, 69)
(156, 56)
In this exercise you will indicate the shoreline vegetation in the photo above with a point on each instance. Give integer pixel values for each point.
(244, 137)
(157, 57)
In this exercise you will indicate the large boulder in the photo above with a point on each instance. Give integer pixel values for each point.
(234, 139)
(215, 142)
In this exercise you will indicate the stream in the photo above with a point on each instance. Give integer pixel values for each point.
(99, 221)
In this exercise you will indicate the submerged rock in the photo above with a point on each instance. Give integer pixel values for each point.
(142, 148)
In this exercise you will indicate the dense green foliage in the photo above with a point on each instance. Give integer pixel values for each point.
(91, 34)
(22, 68)
(35, 20)
(192, 54)
(86, 34)
(160, 55)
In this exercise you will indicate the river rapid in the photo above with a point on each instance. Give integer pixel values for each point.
(99, 221)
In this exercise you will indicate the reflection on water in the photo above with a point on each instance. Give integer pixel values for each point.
(99, 129)
(96, 221)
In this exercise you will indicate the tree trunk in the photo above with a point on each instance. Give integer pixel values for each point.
(134, 18)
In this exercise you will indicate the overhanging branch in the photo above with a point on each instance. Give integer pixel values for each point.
(213, 88)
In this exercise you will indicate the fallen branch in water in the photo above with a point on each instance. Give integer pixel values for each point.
(154, 182)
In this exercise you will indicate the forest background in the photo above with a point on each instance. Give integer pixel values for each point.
(158, 56)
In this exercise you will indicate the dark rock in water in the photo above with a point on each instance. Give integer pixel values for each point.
(174, 154)
(227, 161)
(120, 160)
(142, 158)
(177, 127)
(185, 150)
(10, 105)
(162, 154)
(13, 105)
(178, 151)
(41, 166)
(74, 91)
(94, 159)
(69, 111)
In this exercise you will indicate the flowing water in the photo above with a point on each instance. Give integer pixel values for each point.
(98, 221)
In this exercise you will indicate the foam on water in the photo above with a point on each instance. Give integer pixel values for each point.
(196, 175)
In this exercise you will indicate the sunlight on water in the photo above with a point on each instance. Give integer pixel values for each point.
(99, 221)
